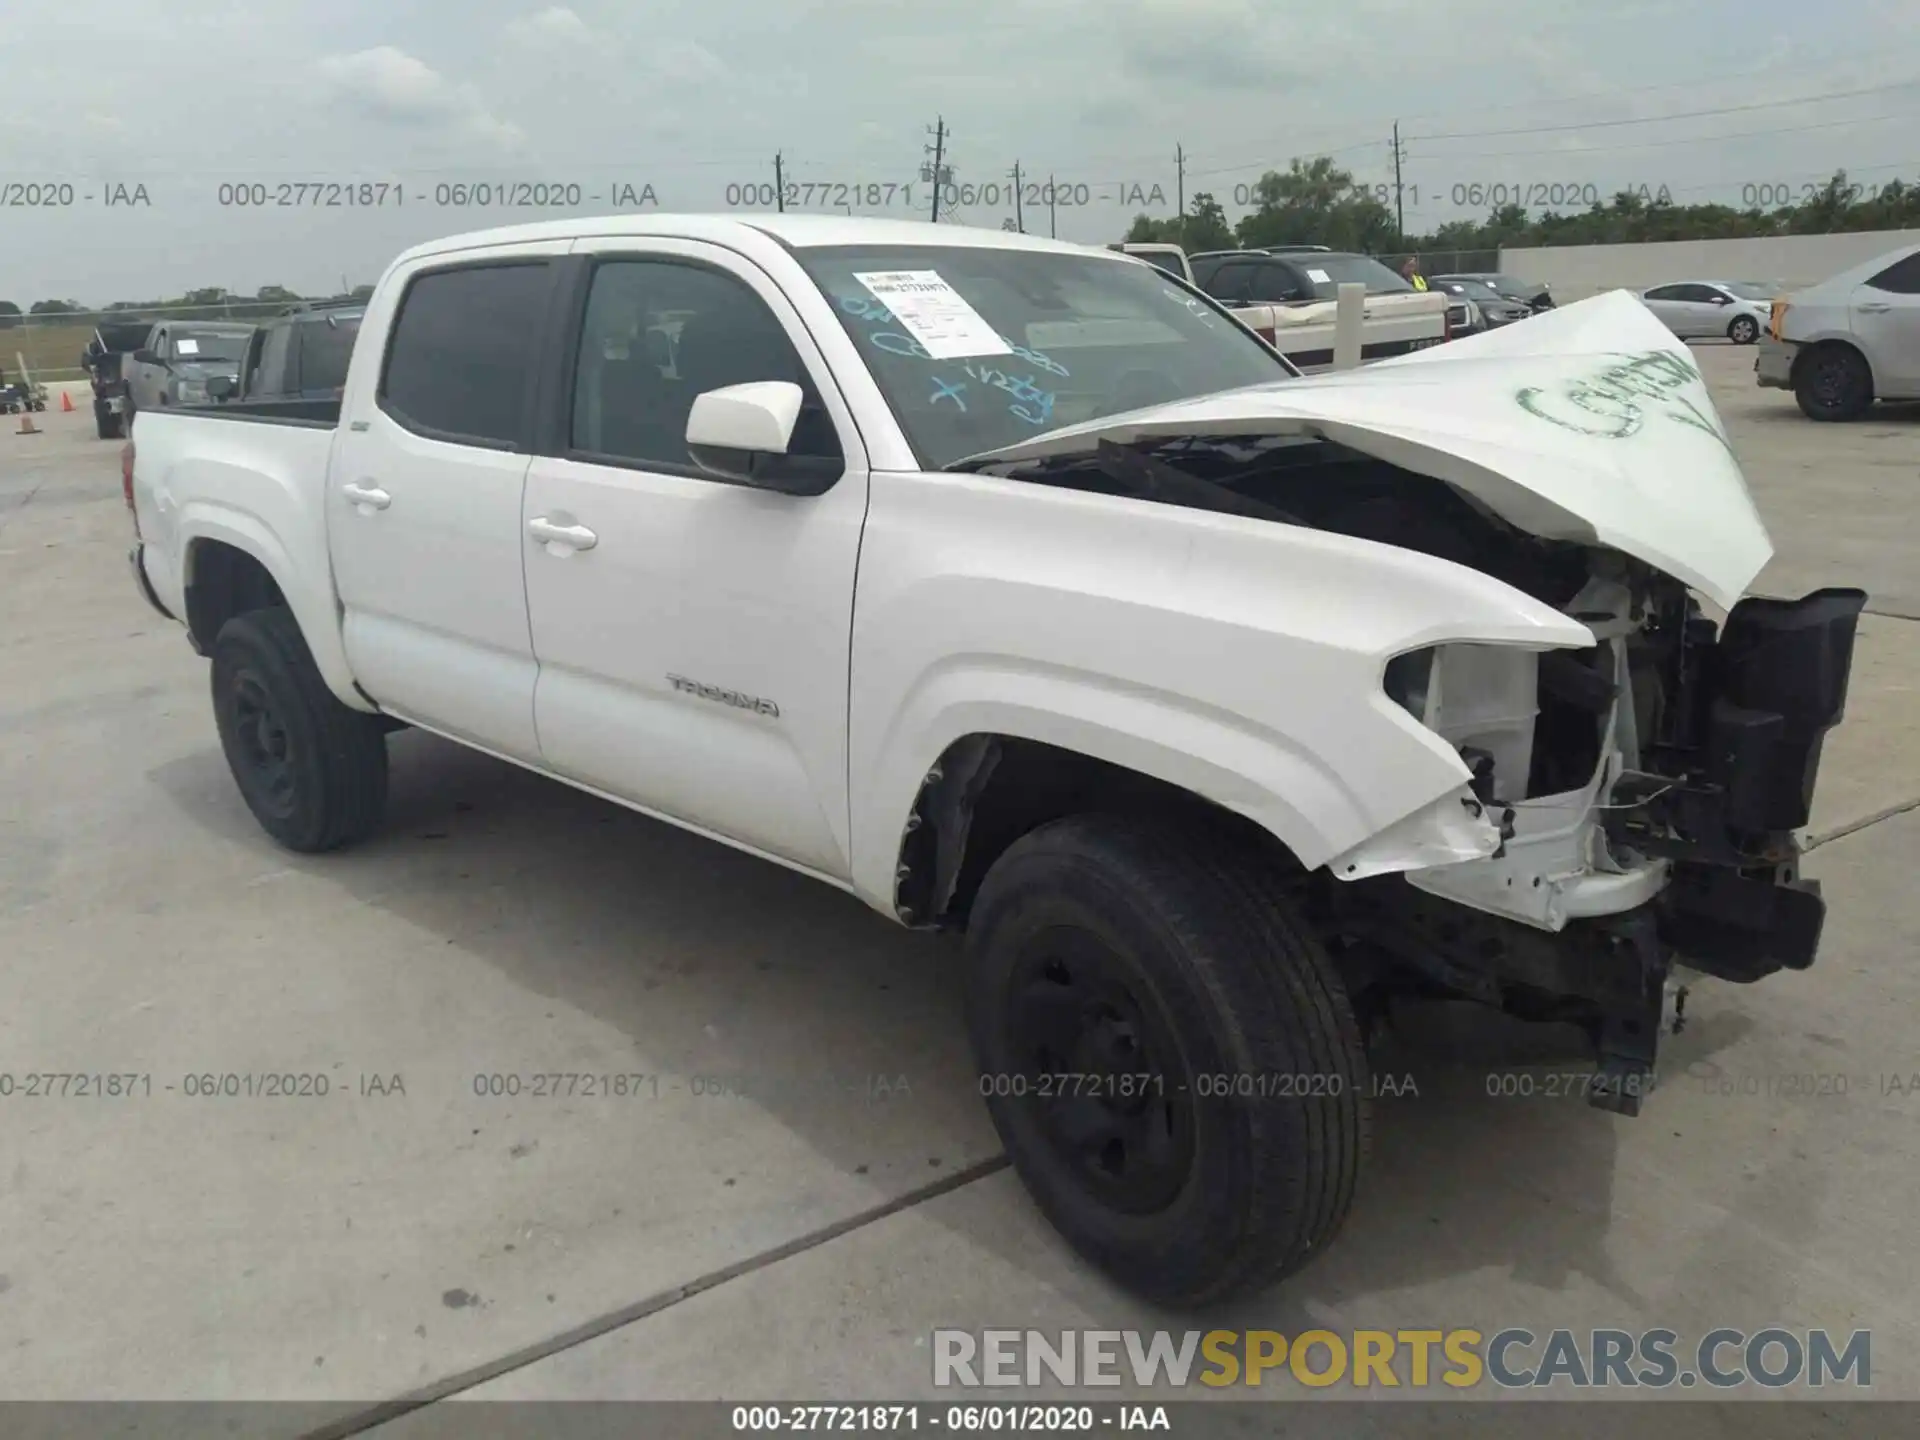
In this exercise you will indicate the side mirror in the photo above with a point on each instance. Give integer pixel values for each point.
(144, 356)
(221, 388)
(741, 433)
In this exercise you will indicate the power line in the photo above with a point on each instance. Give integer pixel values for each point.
(1687, 140)
(1681, 115)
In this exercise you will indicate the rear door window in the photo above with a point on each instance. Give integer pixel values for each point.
(462, 357)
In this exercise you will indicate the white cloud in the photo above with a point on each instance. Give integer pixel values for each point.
(390, 85)
(555, 26)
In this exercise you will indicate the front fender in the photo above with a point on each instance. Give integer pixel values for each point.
(1299, 797)
(1237, 659)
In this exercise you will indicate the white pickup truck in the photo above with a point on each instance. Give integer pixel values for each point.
(1013, 587)
(1289, 298)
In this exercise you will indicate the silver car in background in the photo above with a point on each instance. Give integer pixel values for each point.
(1711, 309)
(1848, 341)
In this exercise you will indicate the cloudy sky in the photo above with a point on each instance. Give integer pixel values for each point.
(200, 101)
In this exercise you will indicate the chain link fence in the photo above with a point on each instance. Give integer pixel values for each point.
(47, 346)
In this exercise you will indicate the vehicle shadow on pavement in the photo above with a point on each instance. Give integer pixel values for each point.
(848, 1031)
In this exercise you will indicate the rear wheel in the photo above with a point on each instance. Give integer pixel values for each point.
(1832, 382)
(1744, 330)
(1168, 1055)
(313, 772)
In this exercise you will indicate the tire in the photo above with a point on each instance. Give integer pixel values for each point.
(313, 772)
(106, 424)
(1744, 330)
(1189, 966)
(1833, 383)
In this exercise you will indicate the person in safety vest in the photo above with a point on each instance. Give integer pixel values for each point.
(1410, 271)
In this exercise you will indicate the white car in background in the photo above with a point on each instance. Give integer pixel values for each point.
(1846, 342)
(1709, 309)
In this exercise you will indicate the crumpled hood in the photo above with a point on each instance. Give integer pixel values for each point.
(1588, 423)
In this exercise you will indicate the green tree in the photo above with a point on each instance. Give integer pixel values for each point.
(1316, 203)
(9, 314)
(54, 307)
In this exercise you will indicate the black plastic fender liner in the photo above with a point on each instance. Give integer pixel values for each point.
(1778, 677)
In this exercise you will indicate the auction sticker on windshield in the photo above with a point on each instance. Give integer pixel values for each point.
(1319, 277)
(187, 347)
(934, 313)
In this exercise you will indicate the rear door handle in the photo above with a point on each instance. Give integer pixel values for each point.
(370, 496)
(572, 537)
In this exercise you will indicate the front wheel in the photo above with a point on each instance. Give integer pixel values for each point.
(313, 772)
(1168, 1055)
(1833, 383)
(1744, 330)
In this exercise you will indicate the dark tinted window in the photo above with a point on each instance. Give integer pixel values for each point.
(656, 335)
(1229, 283)
(271, 376)
(462, 353)
(1667, 292)
(1275, 284)
(1900, 278)
(1701, 294)
(1327, 273)
(325, 348)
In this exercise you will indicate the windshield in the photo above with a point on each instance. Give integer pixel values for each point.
(199, 346)
(1751, 290)
(1512, 285)
(977, 348)
(1327, 273)
(1472, 289)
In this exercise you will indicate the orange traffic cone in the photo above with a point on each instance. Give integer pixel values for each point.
(27, 427)
(66, 402)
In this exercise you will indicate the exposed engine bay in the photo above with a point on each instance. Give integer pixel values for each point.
(1647, 789)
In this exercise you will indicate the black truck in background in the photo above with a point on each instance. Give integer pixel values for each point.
(301, 354)
(102, 360)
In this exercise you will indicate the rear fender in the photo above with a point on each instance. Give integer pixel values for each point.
(202, 522)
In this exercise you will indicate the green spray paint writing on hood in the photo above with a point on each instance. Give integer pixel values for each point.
(1617, 399)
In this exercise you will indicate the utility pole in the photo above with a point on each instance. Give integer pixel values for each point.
(1399, 193)
(936, 174)
(1180, 180)
(1052, 229)
(1018, 223)
(779, 184)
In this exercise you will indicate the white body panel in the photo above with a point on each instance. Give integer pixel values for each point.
(898, 611)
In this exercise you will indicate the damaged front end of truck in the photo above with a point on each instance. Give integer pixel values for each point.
(1628, 810)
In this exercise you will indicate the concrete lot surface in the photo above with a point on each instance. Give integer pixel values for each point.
(802, 1183)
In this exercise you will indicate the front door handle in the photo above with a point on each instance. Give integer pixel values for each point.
(1874, 307)
(371, 497)
(572, 537)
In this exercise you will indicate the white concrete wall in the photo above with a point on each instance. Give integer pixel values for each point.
(1577, 271)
